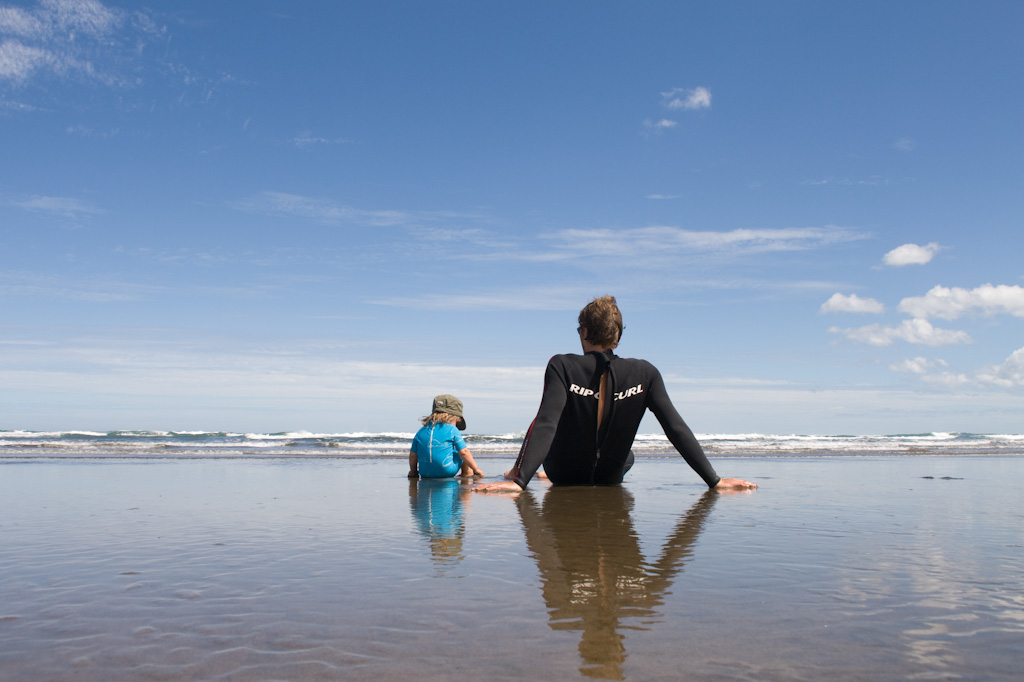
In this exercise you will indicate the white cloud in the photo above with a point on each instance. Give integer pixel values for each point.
(662, 196)
(918, 365)
(681, 98)
(915, 331)
(911, 254)
(663, 124)
(950, 303)
(1010, 374)
(853, 303)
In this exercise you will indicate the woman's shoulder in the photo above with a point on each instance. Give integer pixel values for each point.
(565, 357)
(568, 361)
(637, 363)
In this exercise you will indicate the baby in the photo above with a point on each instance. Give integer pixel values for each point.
(438, 449)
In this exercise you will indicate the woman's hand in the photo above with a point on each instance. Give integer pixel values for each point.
(505, 487)
(734, 484)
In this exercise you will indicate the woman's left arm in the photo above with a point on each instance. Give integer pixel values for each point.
(680, 435)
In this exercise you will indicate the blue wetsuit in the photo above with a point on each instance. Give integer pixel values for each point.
(437, 448)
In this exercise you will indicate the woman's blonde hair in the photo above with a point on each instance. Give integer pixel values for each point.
(603, 322)
(440, 418)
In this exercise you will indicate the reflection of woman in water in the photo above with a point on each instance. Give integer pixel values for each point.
(591, 409)
(592, 570)
(437, 506)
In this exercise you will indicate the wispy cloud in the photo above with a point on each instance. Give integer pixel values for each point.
(317, 209)
(331, 212)
(64, 207)
(161, 369)
(841, 303)
(904, 144)
(519, 299)
(89, 43)
(90, 290)
(306, 139)
(662, 196)
(949, 303)
(62, 38)
(666, 240)
(108, 290)
(914, 331)
(19, 107)
(871, 181)
(86, 131)
(911, 254)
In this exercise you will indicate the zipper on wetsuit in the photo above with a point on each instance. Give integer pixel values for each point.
(602, 390)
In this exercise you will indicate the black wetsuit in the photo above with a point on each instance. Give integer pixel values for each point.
(564, 435)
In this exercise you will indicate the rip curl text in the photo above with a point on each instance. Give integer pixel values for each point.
(619, 395)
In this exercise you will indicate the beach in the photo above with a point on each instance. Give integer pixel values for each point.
(879, 567)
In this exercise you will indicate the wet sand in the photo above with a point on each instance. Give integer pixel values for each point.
(850, 568)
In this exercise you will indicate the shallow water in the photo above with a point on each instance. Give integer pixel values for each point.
(858, 568)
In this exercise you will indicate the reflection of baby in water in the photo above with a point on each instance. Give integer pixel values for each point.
(593, 572)
(437, 506)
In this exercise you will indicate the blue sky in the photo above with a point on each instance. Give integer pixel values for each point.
(280, 216)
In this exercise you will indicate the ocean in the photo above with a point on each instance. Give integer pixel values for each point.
(177, 557)
(207, 444)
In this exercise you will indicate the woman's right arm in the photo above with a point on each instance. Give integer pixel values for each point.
(538, 438)
(542, 432)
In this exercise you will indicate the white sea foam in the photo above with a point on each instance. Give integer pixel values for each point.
(150, 444)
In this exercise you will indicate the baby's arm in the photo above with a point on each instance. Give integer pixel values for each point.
(468, 461)
(414, 465)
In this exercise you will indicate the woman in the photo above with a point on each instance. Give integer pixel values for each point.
(591, 410)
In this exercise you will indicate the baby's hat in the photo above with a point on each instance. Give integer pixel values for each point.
(449, 404)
